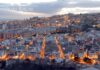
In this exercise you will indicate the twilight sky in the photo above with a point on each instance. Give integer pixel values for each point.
(20, 9)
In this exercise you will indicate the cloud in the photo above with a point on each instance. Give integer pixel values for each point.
(49, 8)
(87, 3)
(56, 6)
(78, 10)
(12, 14)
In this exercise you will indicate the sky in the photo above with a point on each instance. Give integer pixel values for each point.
(24, 1)
(21, 9)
